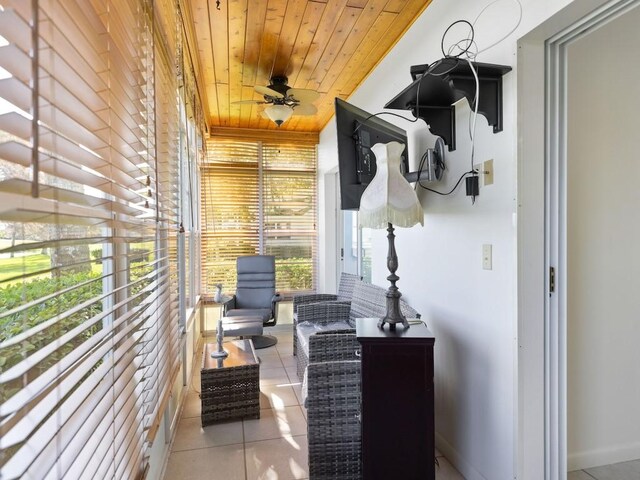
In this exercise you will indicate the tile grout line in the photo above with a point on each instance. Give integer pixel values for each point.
(244, 452)
(284, 437)
(205, 448)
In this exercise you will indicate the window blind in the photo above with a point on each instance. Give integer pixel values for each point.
(259, 197)
(289, 192)
(230, 210)
(88, 209)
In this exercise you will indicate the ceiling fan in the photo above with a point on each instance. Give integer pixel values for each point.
(284, 101)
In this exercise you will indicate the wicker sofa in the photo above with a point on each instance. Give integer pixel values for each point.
(367, 301)
(328, 352)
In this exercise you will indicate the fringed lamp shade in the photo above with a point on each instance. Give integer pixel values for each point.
(387, 201)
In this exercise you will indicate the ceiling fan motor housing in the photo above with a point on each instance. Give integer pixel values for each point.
(279, 84)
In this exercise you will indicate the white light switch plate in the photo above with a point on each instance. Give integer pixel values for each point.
(487, 257)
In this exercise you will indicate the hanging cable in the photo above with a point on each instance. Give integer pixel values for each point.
(508, 33)
(469, 39)
(465, 174)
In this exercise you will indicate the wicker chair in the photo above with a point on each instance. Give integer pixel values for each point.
(345, 291)
(333, 382)
(368, 301)
(333, 419)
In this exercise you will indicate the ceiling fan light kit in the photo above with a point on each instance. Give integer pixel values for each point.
(283, 101)
(278, 113)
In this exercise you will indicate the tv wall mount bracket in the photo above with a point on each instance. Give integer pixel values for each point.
(431, 98)
(433, 167)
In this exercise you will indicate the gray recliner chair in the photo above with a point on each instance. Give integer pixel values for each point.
(256, 295)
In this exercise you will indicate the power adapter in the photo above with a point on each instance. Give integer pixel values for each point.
(473, 187)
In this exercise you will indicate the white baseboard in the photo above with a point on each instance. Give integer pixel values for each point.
(603, 456)
(455, 459)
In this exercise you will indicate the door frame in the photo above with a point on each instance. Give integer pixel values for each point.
(542, 153)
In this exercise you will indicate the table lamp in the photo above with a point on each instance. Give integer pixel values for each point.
(387, 201)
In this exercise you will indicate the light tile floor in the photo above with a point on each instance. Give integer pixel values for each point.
(617, 471)
(271, 448)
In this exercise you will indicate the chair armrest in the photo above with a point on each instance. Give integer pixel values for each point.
(324, 312)
(274, 306)
(228, 305)
(333, 345)
(312, 298)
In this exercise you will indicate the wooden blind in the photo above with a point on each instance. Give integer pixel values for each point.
(259, 197)
(88, 198)
(230, 210)
(289, 193)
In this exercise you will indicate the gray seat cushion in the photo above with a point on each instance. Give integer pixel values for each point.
(306, 329)
(263, 313)
(242, 326)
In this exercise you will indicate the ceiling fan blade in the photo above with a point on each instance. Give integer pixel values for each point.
(305, 109)
(242, 102)
(303, 95)
(268, 92)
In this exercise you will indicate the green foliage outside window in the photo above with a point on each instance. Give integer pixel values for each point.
(82, 288)
(294, 274)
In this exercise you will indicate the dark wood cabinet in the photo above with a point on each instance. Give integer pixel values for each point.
(397, 402)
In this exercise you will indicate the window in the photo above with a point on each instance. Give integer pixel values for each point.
(259, 197)
(89, 337)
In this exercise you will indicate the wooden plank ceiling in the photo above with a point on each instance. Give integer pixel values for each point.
(325, 45)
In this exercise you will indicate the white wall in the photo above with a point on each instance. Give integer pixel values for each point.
(603, 236)
(471, 311)
(160, 449)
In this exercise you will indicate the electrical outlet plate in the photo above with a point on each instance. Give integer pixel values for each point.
(487, 168)
(485, 171)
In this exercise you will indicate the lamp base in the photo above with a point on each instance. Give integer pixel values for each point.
(394, 314)
(392, 326)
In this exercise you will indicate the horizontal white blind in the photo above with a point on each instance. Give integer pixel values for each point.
(88, 222)
(289, 193)
(259, 198)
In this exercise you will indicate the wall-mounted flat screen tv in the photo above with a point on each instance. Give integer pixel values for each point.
(358, 131)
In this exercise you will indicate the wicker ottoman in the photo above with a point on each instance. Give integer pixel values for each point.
(230, 386)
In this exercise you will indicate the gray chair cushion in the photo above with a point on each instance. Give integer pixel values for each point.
(241, 326)
(256, 281)
(262, 313)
